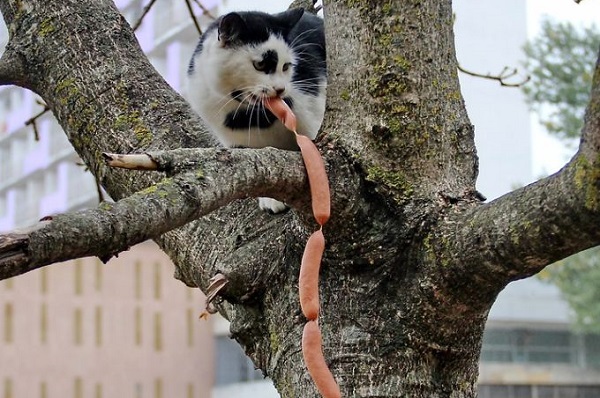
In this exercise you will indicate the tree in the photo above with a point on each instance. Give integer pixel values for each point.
(559, 92)
(560, 63)
(414, 259)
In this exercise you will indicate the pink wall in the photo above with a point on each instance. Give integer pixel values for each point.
(129, 330)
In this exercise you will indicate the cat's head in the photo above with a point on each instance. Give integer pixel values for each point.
(254, 56)
(247, 28)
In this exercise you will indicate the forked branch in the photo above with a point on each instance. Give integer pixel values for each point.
(520, 233)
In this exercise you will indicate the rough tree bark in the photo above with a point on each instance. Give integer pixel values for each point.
(414, 260)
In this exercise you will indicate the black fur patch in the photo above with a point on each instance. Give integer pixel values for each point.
(307, 39)
(269, 61)
(237, 95)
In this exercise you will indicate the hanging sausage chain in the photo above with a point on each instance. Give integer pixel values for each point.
(311, 259)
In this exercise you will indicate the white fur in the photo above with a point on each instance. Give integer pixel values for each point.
(220, 70)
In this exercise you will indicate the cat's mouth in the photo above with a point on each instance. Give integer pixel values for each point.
(250, 98)
(258, 99)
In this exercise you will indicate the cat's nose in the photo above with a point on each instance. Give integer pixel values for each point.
(279, 90)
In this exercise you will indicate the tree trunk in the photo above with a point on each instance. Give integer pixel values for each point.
(413, 260)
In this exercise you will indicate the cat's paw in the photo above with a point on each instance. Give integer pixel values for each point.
(271, 205)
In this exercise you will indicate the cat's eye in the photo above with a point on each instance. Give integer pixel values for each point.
(287, 66)
(259, 65)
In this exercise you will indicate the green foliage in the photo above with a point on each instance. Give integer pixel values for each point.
(578, 278)
(560, 62)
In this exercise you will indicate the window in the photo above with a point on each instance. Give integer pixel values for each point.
(591, 344)
(98, 325)
(533, 391)
(78, 388)
(158, 388)
(77, 326)
(233, 366)
(505, 391)
(43, 323)
(528, 346)
(158, 335)
(8, 323)
(138, 326)
(4, 157)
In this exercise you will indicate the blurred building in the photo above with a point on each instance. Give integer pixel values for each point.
(128, 329)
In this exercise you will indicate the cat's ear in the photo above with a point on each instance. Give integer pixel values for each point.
(291, 17)
(231, 27)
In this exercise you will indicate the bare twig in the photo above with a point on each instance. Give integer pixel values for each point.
(505, 74)
(101, 197)
(193, 16)
(32, 121)
(204, 9)
(144, 13)
(99, 191)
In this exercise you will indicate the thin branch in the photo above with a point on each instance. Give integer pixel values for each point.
(99, 191)
(205, 11)
(32, 121)
(145, 11)
(193, 16)
(501, 77)
(206, 179)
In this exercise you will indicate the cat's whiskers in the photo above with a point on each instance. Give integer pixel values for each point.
(307, 84)
(300, 36)
(228, 98)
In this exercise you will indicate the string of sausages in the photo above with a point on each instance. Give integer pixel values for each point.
(312, 348)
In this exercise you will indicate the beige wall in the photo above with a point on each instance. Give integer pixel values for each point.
(519, 374)
(86, 329)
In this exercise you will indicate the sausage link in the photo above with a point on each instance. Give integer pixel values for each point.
(315, 362)
(282, 111)
(317, 178)
(309, 275)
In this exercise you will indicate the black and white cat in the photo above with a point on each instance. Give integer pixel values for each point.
(246, 56)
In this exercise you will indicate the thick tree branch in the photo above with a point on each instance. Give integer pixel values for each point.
(206, 179)
(520, 233)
